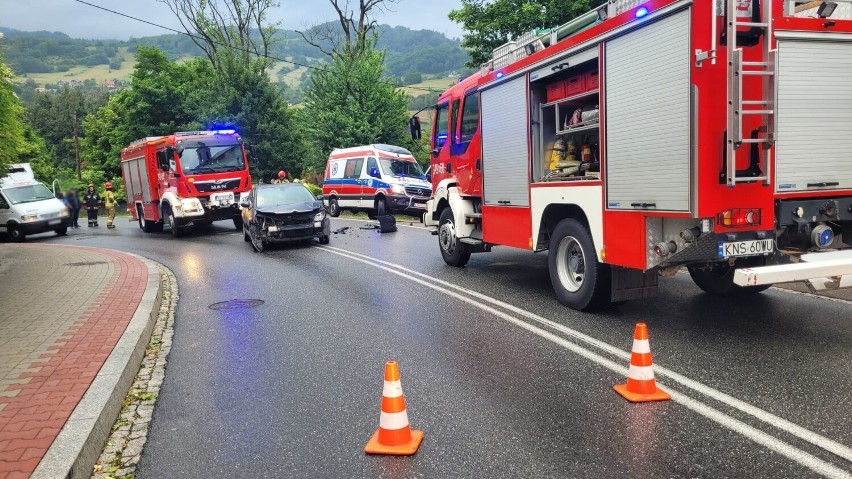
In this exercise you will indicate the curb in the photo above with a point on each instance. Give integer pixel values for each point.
(81, 440)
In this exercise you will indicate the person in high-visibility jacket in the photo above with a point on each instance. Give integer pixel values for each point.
(92, 201)
(109, 204)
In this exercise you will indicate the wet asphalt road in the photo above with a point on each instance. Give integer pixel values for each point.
(509, 384)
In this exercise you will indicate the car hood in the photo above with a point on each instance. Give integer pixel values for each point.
(289, 208)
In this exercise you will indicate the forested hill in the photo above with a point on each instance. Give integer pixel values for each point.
(408, 51)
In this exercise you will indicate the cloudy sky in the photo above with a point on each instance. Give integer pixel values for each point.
(80, 20)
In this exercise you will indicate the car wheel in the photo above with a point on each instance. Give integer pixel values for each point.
(176, 232)
(61, 231)
(238, 222)
(16, 234)
(719, 279)
(381, 207)
(333, 208)
(324, 239)
(246, 237)
(257, 242)
(579, 280)
(454, 252)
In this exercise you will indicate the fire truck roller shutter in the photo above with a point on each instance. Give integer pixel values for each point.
(648, 118)
(814, 118)
(504, 121)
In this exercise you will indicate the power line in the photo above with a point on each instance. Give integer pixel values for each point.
(243, 50)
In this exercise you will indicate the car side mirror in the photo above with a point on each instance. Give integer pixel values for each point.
(163, 159)
(252, 154)
(414, 128)
(374, 172)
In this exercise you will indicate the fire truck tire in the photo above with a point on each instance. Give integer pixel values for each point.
(719, 279)
(145, 225)
(333, 208)
(173, 225)
(579, 280)
(381, 207)
(238, 222)
(454, 252)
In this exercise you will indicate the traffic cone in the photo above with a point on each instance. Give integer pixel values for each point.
(394, 435)
(641, 385)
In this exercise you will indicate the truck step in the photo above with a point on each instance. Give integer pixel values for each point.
(470, 241)
(822, 271)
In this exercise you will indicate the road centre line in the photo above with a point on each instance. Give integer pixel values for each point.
(703, 409)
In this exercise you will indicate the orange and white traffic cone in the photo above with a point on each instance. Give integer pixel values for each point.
(641, 385)
(394, 435)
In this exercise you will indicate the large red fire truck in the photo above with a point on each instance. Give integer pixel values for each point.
(644, 137)
(187, 178)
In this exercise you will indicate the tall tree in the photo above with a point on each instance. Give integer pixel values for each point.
(218, 26)
(356, 29)
(11, 118)
(491, 23)
(351, 103)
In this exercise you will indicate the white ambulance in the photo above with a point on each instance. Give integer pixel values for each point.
(377, 179)
(29, 207)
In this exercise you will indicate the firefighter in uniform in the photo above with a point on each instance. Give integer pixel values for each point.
(109, 204)
(282, 178)
(92, 200)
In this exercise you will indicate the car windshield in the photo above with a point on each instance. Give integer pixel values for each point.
(401, 168)
(202, 158)
(27, 194)
(283, 195)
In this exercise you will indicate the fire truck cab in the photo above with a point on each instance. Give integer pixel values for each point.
(644, 137)
(187, 178)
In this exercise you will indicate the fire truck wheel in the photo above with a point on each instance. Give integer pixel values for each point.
(333, 208)
(454, 252)
(173, 225)
(238, 222)
(719, 279)
(579, 280)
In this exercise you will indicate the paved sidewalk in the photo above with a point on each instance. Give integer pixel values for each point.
(73, 328)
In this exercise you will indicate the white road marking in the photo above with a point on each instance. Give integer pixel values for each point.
(793, 453)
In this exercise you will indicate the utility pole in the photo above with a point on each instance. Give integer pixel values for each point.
(77, 146)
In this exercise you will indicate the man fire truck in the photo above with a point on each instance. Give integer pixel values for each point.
(641, 138)
(187, 178)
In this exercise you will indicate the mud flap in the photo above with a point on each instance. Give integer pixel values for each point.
(629, 283)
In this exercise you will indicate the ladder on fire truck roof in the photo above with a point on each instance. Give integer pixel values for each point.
(738, 107)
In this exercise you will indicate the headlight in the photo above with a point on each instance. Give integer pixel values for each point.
(191, 205)
(397, 189)
(64, 213)
(319, 216)
(28, 218)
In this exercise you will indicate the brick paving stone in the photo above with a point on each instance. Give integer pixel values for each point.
(65, 308)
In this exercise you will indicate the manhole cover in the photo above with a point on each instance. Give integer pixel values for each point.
(86, 263)
(237, 304)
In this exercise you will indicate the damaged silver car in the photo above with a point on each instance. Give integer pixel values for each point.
(283, 212)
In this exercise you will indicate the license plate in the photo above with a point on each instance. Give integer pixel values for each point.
(54, 222)
(222, 198)
(746, 248)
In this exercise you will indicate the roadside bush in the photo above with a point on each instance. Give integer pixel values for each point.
(314, 189)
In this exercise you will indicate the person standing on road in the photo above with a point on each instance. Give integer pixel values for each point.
(109, 204)
(72, 199)
(92, 200)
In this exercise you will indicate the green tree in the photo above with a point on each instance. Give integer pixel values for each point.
(351, 103)
(489, 24)
(12, 141)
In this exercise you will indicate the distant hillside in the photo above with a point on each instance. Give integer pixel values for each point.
(41, 54)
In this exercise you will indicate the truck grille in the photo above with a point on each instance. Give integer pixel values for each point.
(418, 191)
(213, 186)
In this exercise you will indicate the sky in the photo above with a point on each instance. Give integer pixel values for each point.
(79, 20)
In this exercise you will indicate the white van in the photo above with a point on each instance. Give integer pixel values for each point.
(377, 179)
(28, 207)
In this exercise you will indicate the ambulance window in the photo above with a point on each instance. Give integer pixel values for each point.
(440, 126)
(371, 164)
(470, 117)
(353, 168)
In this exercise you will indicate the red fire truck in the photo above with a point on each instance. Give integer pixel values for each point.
(187, 178)
(644, 137)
